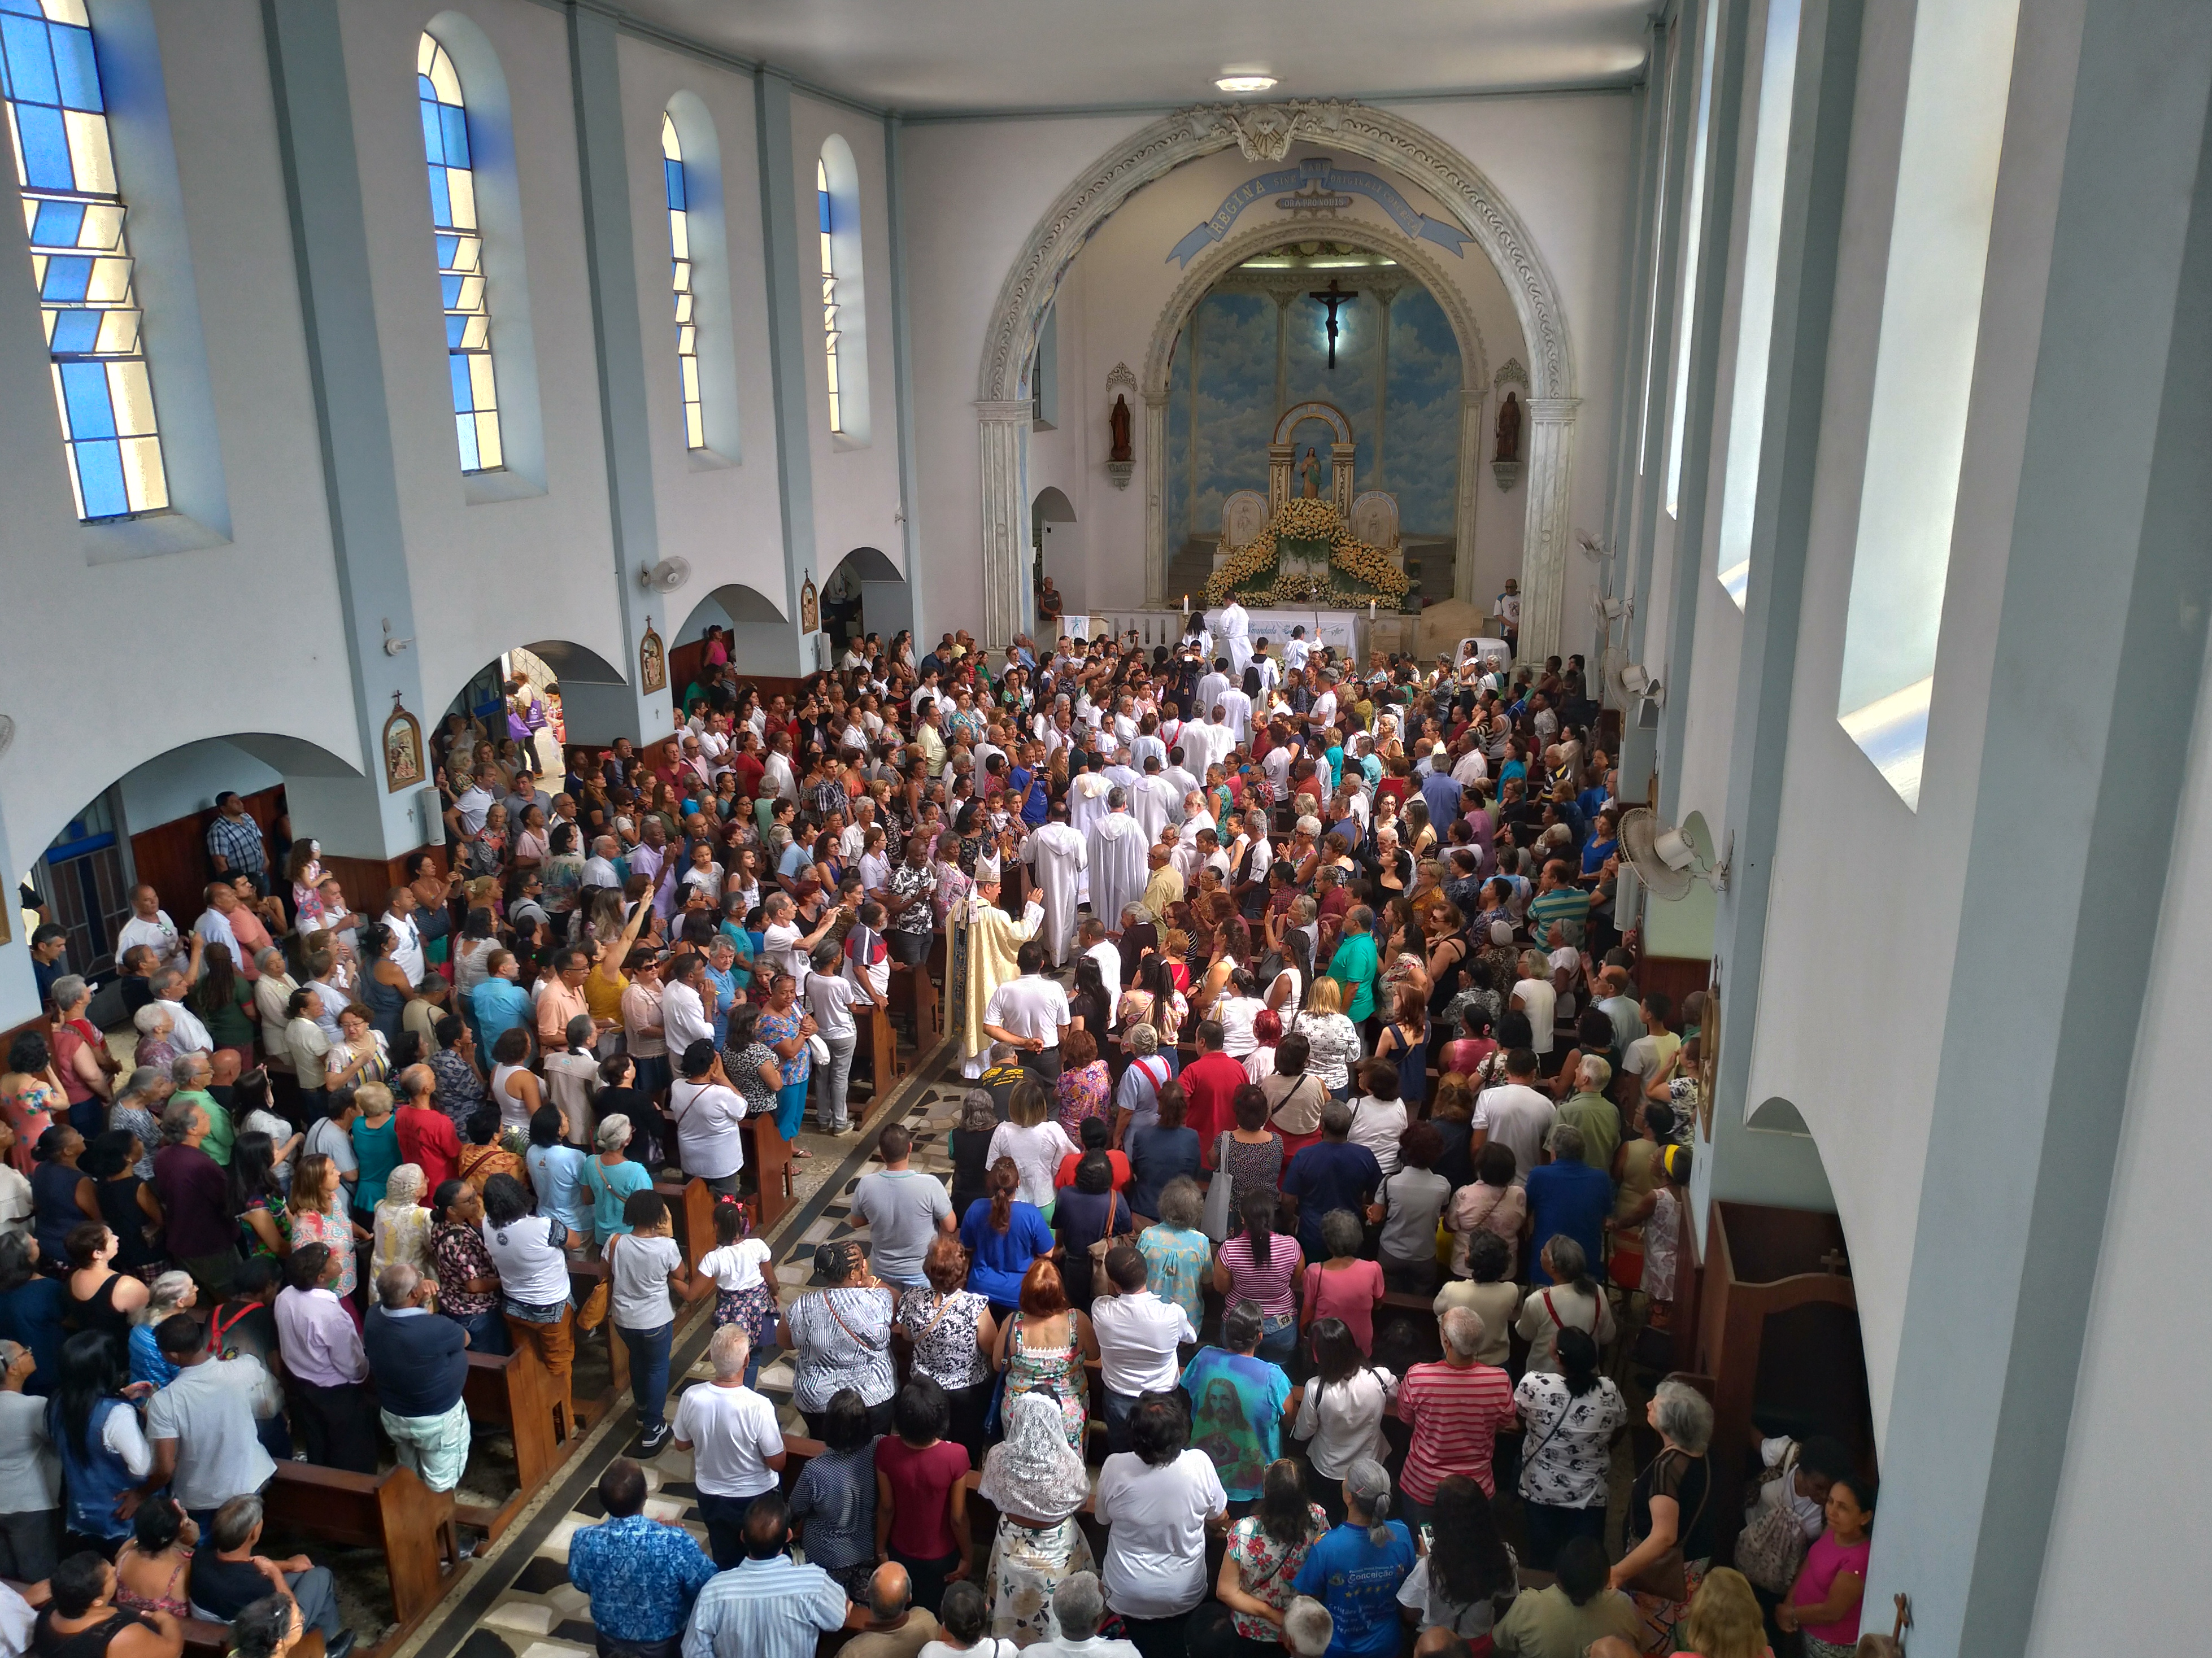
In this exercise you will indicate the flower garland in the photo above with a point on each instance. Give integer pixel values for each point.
(1301, 519)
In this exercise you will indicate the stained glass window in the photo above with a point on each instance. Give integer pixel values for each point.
(460, 258)
(829, 295)
(679, 243)
(58, 126)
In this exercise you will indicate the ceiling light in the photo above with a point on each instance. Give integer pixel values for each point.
(1245, 83)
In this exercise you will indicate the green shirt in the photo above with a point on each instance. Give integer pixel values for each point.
(1354, 966)
(220, 1130)
(1599, 1120)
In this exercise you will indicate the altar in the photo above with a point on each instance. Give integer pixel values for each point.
(1339, 629)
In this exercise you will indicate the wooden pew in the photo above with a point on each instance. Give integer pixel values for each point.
(585, 1278)
(883, 1046)
(515, 1393)
(395, 1512)
(767, 1156)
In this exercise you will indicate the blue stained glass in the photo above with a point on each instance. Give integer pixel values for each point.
(30, 60)
(822, 201)
(58, 224)
(456, 124)
(100, 477)
(465, 426)
(45, 147)
(67, 278)
(73, 64)
(442, 205)
(75, 332)
(447, 246)
(424, 90)
(451, 287)
(84, 387)
(27, 8)
(433, 143)
(456, 327)
(674, 170)
(458, 363)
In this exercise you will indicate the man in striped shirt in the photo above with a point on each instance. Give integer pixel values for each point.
(1560, 904)
(1455, 1409)
(766, 1606)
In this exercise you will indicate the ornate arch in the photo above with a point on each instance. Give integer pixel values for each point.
(1266, 132)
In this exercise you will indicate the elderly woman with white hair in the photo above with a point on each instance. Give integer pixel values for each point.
(1671, 1517)
(171, 1293)
(156, 1026)
(1456, 1408)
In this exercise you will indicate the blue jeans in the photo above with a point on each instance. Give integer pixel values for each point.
(487, 1332)
(1118, 1407)
(649, 1373)
(791, 1108)
(1280, 1343)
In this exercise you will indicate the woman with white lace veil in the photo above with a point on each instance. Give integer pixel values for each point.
(1036, 1480)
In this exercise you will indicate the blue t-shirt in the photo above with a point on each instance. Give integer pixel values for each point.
(1325, 1176)
(1358, 1584)
(1236, 1416)
(1571, 1198)
(1034, 806)
(998, 1260)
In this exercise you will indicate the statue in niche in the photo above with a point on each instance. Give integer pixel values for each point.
(1119, 420)
(1509, 430)
(1309, 476)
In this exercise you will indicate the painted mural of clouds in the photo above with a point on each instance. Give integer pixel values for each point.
(1421, 441)
(1235, 359)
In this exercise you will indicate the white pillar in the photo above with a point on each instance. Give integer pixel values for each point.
(1156, 502)
(1003, 430)
(1544, 542)
(1470, 490)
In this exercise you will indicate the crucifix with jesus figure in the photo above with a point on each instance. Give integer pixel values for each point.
(1332, 298)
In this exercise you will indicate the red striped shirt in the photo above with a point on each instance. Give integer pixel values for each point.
(1456, 1415)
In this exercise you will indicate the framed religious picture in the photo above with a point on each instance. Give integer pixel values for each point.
(810, 608)
(402, 749)
(1709, 1054)
(651, 661)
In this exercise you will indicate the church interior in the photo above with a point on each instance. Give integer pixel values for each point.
(1828, 382)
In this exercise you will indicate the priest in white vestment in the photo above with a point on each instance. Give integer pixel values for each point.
(1237, 635)
(1155, 803)
(1057, 854)
(1117, 844)
(1086, 804)
(980, 944)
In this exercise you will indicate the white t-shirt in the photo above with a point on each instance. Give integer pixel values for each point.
(1537, 1000)
(707, 1115)
(1156, 1531)
(732, 1432)
(472, 805)
(1516, 1115)
(830, 999)
(639, 1269)
(1032, 1005)
(735, 1267)
(1138, 1335)
(1036, 1153)
(779, 948)
(1377, 1124)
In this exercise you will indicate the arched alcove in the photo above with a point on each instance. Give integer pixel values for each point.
(763, 640)
(865, 593)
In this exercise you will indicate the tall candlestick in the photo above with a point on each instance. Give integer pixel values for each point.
(1371, 609)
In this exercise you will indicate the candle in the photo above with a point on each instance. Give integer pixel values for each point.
(1371, 609)
(1186, 603)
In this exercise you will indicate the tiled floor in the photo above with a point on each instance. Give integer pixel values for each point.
(535, 1610)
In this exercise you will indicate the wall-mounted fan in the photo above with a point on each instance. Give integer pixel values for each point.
(666, 576)
(1669, 860)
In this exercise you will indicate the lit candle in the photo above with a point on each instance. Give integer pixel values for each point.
(1186, 603)
(1371, 609)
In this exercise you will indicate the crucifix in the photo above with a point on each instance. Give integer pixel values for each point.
(1334, 297)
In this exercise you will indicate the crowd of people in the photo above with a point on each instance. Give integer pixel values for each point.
(1376, 907)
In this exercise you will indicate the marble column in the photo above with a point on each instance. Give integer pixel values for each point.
(1156, 502)
(1470, 491)
(1004, 430)
(1544, 542)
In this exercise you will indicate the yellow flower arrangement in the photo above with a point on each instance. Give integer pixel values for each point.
(1300, 519)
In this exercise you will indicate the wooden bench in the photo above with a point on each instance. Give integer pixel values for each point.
(515, 1393)
(768, 1155)
(395, 1512)
(882, 1048)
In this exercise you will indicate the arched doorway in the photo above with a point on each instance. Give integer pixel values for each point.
(1056, 550)
(762, 641)
(544, 695)
(867, 594)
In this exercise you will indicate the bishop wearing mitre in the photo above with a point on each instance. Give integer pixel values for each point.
(980, 946)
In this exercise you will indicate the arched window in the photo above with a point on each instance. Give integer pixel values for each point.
(828, 291)
(679, 244)
(460, 258)
(49, 81)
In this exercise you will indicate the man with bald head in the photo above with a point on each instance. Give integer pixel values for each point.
(896, 1627)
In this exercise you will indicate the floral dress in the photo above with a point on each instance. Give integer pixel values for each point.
(773, 1028)
(1085, 1091)
(943, 1331)
(1267, 1569)
(1054, 1371)
(334, 1230)
(31, 1107)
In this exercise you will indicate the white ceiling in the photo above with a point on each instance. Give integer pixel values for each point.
(941, 55)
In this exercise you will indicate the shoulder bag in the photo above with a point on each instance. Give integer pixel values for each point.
(1665, 1578)
(1769, 1551)
(1217, 1221)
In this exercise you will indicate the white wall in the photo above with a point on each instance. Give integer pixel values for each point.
(122, 661)
(718, 508)
(856, 482)
(186, 781)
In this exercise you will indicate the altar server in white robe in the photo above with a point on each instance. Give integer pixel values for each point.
(1236, 635)
(1155, 803)
(1210, 688)
(1057, 855)
(1116, 845)
(1086, 804)
(1237, 712)
(982, 944)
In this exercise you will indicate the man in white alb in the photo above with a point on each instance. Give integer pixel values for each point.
(1059, 856)
(1154, 802)
(1236, 634)
(1117, 844)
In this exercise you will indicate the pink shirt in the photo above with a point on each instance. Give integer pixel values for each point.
(1349, 1293)
(1823, 1562)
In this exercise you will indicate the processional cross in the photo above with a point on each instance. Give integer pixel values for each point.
(1334, 297)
